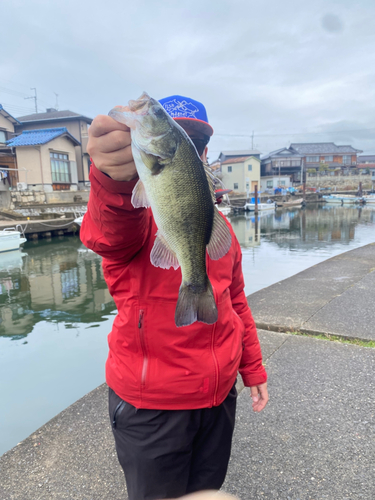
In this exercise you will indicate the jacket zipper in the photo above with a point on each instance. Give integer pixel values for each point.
(143, 346)
(213, 350)
(215, 363)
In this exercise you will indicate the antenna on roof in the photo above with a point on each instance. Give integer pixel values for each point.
(57, 101)
(35, 99)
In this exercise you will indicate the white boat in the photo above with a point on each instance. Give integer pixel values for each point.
(78, 220)
(250, 207)
(342, 199)
(369, 199)
(224, 209)
(10, 239)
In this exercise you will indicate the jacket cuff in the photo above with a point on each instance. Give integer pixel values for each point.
(254, 379)
(121, 187)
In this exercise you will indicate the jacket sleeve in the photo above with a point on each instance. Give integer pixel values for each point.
(251, 367)
(112, 227)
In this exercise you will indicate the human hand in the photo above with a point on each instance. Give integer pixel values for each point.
(208, 495)
(259, 395)
(109, 146)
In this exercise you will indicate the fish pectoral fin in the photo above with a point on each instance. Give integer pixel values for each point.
(162, 255)
(164, 161)
(153, 163)
(221, 239)
(149, 160)
(139, 196)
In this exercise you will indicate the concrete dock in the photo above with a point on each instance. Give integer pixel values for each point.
(315, 439)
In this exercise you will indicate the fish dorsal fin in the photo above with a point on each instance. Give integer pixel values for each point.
(139, 197)
(211, 180)
(221, 239)
(162, 255)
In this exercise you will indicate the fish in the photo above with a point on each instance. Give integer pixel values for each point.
(174, 182)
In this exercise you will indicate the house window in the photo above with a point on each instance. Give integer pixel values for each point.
(282, 183)
(328, 158)
(347, 160)
(3, 137)
(269, 184)
(229, 169)
(235, 185)
(312, 159)
(249, 168)
(60, 168)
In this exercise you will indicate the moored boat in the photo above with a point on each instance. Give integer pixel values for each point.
(290, 203)
(342, 199)
(10, 239)
(369, 199)
(250, 207)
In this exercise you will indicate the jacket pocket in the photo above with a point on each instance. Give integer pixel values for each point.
(116, 414)
(142, 338)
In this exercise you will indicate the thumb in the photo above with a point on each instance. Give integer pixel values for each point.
(254, 393)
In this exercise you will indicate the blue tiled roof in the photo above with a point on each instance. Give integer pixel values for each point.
(39, 136)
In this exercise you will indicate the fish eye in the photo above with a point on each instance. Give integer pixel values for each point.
(158, 112)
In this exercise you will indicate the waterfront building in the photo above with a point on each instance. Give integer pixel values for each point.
(46, 159)
(77, 126)
(335, 159)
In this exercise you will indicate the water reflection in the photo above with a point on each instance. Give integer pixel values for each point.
(301, 229)
(52, 281)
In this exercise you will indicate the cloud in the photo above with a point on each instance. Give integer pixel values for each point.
(332, 23)
(279, 68)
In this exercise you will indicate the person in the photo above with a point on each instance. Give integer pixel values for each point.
(172, 393)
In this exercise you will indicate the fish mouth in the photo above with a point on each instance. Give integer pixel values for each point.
(140, 105)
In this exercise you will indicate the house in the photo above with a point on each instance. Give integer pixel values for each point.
(366, 164)
(282, 162)
(8, 165)
(365, 159)
(46, 159)
(241, 173)
(226, 155)
(339, 158)
(269, 183)
(75, 124)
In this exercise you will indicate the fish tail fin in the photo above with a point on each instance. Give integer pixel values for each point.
(195, 304)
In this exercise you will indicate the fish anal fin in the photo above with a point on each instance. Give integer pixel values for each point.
(162, 255)
(221, 239)
(139, 197)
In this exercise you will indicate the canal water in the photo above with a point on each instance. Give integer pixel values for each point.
(56, 312)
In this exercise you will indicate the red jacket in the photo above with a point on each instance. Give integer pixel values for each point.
(152, 363)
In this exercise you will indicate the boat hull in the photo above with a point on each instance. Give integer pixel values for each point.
(250, 207)
(10, 240)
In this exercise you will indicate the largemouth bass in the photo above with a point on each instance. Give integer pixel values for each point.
(174, 183)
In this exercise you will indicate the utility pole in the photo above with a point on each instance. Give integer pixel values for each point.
(252, 141)
(57, 101)
(35, 99)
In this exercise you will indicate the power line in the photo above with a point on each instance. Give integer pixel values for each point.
(16, 108)
(35, 99)
(295, 133)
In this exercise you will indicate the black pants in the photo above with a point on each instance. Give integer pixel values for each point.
(168, 453)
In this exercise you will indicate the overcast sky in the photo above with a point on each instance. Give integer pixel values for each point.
(291, 71)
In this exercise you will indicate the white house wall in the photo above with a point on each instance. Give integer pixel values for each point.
(6, 124)
(35, 163)
(276, 181)
(240, 173)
